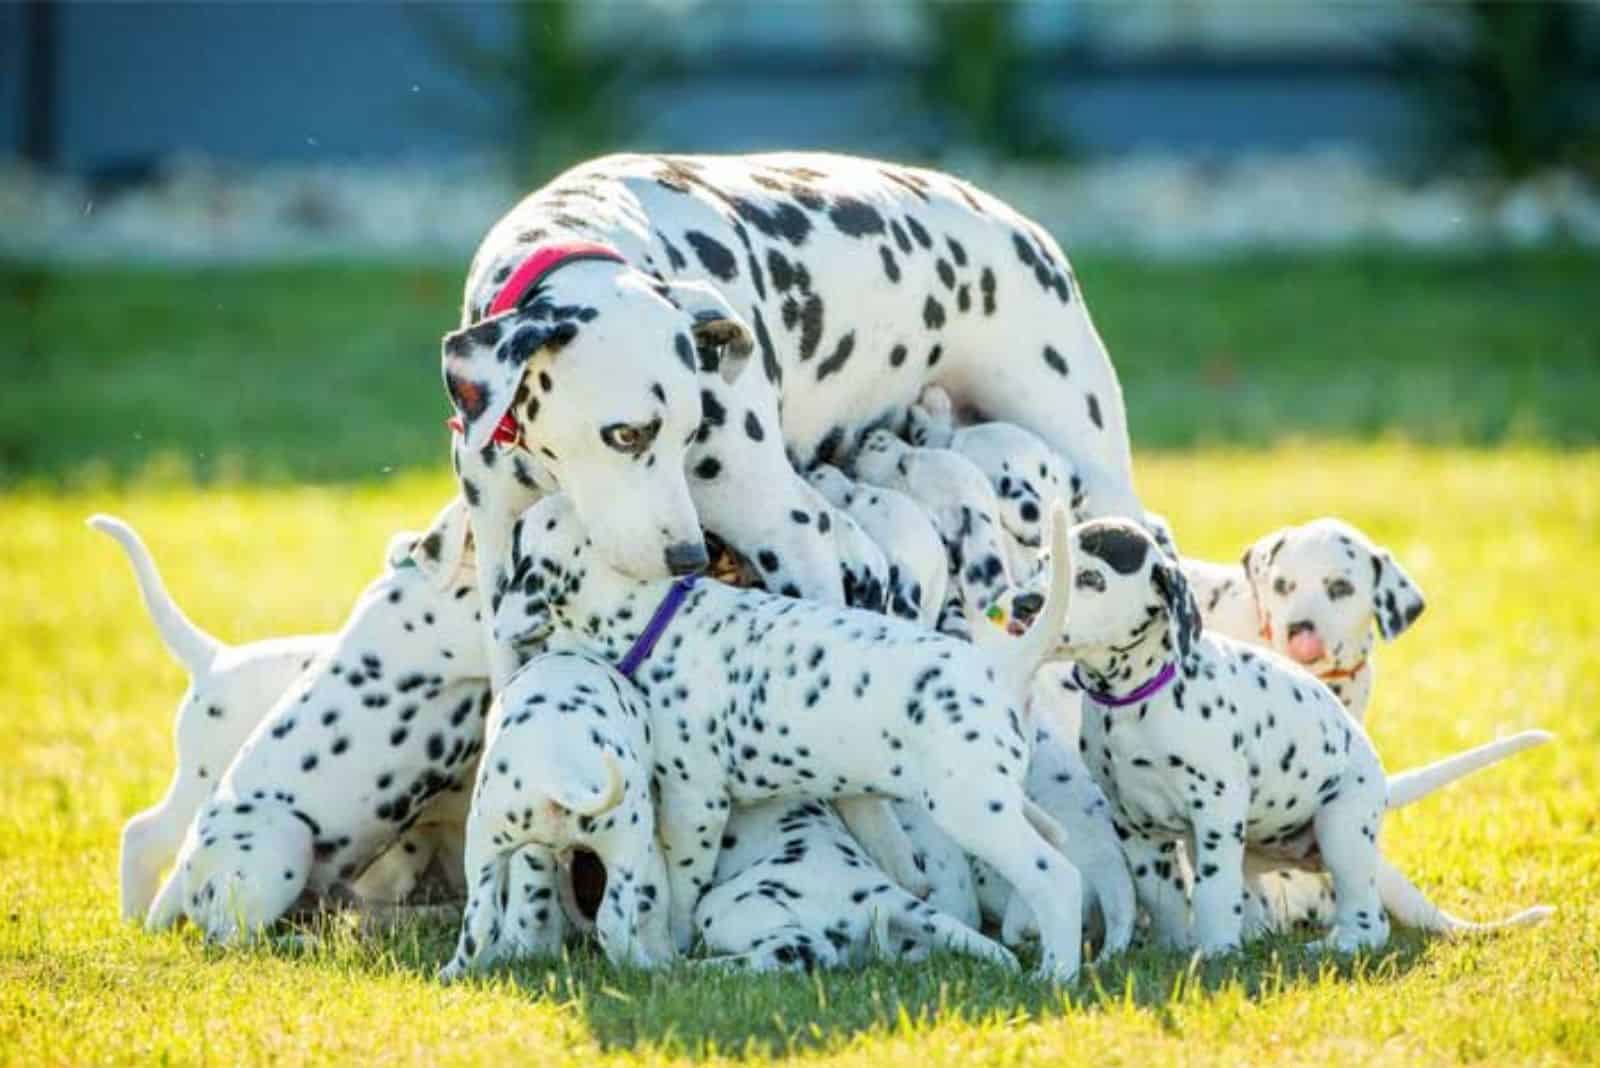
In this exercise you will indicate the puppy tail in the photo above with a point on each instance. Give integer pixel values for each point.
(1020, 657)
(585, 800)
(191, 646)
(1411, 907)
(1413, 785)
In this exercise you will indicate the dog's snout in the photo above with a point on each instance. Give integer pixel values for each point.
(687, 557)
(1027, 605)
(1302, 626)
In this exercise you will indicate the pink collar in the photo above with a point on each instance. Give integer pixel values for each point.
(543, 261)
(535, 268)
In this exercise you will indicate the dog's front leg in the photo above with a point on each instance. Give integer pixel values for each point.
(1217, 849)
(690, 824)
(1158, 881)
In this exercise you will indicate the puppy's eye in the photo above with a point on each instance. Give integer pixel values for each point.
(1282, 586)
(631, 438)
(1090, 580)
(1339, 587)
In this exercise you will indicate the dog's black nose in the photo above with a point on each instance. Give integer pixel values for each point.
(1301, 625)
(1026, 605)
(687, 558)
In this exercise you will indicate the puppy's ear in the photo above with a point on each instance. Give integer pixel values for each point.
(1183, 612)
(723, 339)
(1396, 600)
(1161, 530)
(443, 548)
(483, 365)
(1257, 560)
(398, 552)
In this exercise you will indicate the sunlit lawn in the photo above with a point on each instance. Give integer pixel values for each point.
(1506, 544)
(305, 401)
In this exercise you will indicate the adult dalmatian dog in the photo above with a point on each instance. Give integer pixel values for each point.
(609, 320)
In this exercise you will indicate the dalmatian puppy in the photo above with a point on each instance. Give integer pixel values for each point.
(360, 749)
(609, 321)
(793, 890)
(1312, 593)
(1203, 742)
(230, 689)
(566, 767)
(918, 569)
(963, 508)
(755, 697)
(1026, 475)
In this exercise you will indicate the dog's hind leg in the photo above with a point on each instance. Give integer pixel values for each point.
(986, 816)
(872, 821)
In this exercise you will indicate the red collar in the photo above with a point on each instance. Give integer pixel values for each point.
(535, 268)
(540, 263)
(1342, 673)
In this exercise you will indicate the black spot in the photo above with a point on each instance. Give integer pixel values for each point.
(713, 255)
(685, 350)
(810, 326)
(839, 357)
(932, 314)
(1055, 361)
(1121, 547)
(1094, 411)
(752, 427)
(708, 468)
(897, 356)
(855, 218)
(890, 267)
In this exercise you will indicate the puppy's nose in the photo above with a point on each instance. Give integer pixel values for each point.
(686, 558)
(1303, 625)
(1024, 606)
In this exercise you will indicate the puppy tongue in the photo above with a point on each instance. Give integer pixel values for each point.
(1306, 647)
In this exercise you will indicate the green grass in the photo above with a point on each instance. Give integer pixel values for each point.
(305, 401)
(1505, 542)
(331, 372)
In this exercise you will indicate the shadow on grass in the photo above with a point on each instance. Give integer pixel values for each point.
(694, 1011)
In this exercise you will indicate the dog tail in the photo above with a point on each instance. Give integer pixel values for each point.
(584, 798)
(1411, 907)
(1411, 786)
(191, 646)
(1020, 657)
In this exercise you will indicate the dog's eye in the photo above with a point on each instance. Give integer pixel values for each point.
(1282, 586)
(1339, 587)
(1090, 580)
(631, 438)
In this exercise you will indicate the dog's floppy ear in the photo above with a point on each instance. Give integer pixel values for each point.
(1396, 600)
(723, 338)
(442, 550)
(1183, 612)
(483, 365)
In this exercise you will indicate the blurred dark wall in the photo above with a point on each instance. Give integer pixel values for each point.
(300, 82)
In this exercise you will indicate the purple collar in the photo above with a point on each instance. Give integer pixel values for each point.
(1147, 690)
(657, 626)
